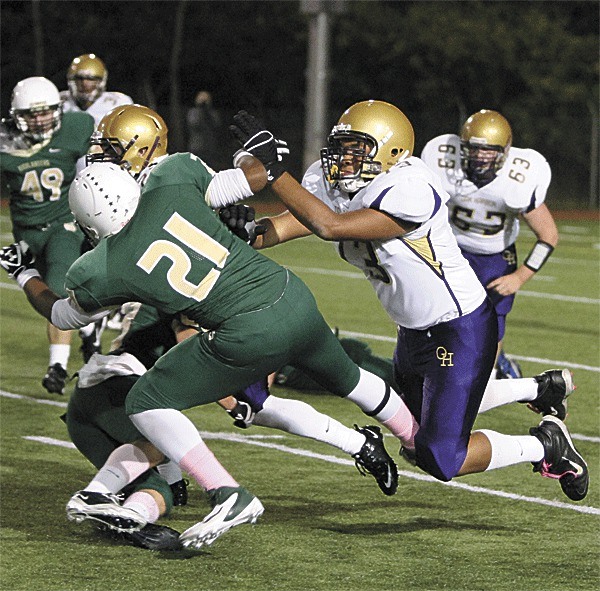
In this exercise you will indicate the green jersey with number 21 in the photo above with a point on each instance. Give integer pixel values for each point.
(176, 255)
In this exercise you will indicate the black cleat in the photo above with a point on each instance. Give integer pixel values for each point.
(55, 379)
(561, 460)
(375, 460)
(180, 493)
(154, 537)
(104, 509)
(554, 386)
(409, 455)
(507, 368)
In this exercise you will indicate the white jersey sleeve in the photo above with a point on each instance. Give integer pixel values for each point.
(485, 220)
(421, 278)
(67, 315)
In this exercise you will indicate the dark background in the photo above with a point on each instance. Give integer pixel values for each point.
(439, 61)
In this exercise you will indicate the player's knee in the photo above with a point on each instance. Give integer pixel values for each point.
(441, 461)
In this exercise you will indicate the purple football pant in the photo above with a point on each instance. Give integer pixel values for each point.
(488, 267)
(442, 373)
(255, 394)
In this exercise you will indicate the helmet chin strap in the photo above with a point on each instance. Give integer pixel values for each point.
(352, 185)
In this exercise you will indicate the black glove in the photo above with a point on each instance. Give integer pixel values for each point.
(240, 220)
(258, 141)
(16, 258)
(242, 415)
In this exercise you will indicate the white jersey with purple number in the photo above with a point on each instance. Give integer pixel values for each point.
(102, 105)
(421, 278)
(485, 220)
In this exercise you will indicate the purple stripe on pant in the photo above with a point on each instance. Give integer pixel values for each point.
(442, 373)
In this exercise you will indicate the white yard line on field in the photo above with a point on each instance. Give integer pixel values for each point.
(335, 460)
(534, 294)
(222, 436)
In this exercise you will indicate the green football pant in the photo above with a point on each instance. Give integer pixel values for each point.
(244, 349)
(97, 425)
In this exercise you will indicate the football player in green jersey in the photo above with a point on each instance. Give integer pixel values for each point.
(97, 422)
(172, 252)
(39, 149)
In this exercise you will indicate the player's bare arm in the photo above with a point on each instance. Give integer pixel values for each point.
(542, 224)
(366, 224)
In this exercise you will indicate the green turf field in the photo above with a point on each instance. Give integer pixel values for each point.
(325, 527)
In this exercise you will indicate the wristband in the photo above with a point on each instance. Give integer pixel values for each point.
(238, 156)
(539, 254)
(25, 275)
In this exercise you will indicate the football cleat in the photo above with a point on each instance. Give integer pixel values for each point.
(153, 537)
(232, 506)
(375, 460)
(55, 379)
(180, 493)
(561, 460)
(408, 455)
(554, 386)
(104, 509)
(507, 369)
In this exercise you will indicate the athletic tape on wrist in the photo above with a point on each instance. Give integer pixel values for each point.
(24, 276)
(539, 254)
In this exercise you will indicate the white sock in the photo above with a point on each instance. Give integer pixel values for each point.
(170, 472)
(144, 504)
(508, 450)
(376, 399)
(369, 395)
(59, 354)
(299, 418)
(169, 430)
(123, 466)
(500, 392)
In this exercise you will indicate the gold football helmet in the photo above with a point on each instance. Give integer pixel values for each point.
(86, 78)
(131, 136)
(485, 140)
(369, 138)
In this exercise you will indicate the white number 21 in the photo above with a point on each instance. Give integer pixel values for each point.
(199, 242)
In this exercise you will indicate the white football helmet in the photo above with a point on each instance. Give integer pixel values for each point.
(103, 198)
(36, 108)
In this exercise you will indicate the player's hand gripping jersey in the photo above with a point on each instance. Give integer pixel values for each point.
(421, 278)
(161, 259)
(485, 220)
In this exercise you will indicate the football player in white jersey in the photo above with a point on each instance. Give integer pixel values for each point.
(386, 211)
(86, 78)
(491, 186)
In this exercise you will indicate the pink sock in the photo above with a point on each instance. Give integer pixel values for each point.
(201, 464)
(404, 426)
